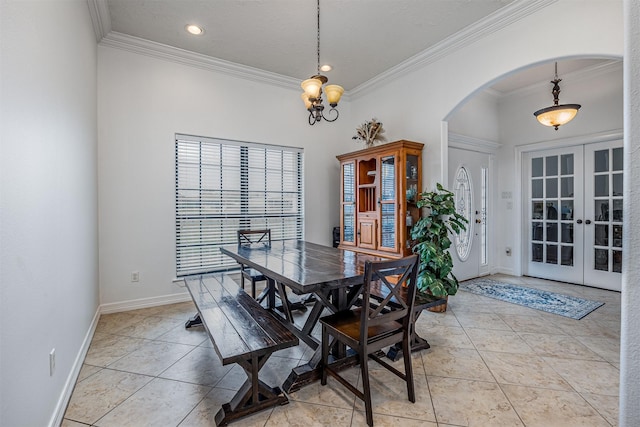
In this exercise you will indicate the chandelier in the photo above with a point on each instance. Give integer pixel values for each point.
(312, 95)
(557, 115)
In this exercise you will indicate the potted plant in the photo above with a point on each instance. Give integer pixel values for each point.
(431, 242)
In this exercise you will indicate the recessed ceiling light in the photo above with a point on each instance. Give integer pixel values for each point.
(326, 67)
(194, 29)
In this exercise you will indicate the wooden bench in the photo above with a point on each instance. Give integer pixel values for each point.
(242, 332)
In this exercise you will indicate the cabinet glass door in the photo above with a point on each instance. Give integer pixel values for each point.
(388, 204)
(348, 203)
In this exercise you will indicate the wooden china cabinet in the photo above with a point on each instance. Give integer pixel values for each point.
(379, 186)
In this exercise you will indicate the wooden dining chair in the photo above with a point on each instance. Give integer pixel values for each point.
(374, 325)
(253, 238)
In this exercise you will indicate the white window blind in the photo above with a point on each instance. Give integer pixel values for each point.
(223, 186)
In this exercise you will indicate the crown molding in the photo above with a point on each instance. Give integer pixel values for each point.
(501, 18)
(100, 18)
(473, 144)
(197, 60)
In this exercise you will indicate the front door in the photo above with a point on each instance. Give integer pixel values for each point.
(573, 211)
(469, 181)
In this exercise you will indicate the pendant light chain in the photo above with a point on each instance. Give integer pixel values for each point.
(318, 20)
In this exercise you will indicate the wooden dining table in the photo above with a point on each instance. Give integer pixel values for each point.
(334, 276)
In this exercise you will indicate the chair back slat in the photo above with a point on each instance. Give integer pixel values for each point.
(389, 278)
(252, 237)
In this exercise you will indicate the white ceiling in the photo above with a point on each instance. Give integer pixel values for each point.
(361, 39)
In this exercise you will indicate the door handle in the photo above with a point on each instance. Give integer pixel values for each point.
(579, 221)
(587, 221)
(478, 221)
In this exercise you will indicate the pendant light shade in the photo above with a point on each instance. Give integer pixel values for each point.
(556, 115)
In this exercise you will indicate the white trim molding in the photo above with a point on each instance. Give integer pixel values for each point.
(100, 18)
(197, 60)
(116, 307)
(473, 144)
(67, 390)
(502, 18)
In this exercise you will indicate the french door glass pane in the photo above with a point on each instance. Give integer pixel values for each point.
(536, 189)
(566, 255)
(567, 209)
(601, 235)
(537, 167)
(608, 209)
(617, 261)
(566, 164)
(617, 159)
(617, 184)
(552, 194)
(552, 254)
(601, 161)
(601, 187)
(537, 210)
(552, 165)
(552, 187)
(566, 187)
(601, 260)
(567, 233)
(617, 210)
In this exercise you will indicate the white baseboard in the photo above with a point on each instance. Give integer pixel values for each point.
(63, 401)
(115, 307)
(67, 390)
(503, 270)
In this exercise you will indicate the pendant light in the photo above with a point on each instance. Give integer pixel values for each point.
(312, 96)
(557, 115)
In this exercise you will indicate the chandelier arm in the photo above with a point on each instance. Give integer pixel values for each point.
(330, 111)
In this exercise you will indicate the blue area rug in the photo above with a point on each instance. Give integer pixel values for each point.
(563, 305)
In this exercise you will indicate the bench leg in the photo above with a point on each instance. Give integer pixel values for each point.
(194, 321)
(253, 396)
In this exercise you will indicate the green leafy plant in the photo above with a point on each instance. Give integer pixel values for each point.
(431, 241)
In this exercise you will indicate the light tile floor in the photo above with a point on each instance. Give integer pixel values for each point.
(491, 363)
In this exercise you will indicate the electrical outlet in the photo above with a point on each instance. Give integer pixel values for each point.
(135, 276)
(52, 361)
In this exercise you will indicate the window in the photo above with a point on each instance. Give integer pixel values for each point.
(223, 186)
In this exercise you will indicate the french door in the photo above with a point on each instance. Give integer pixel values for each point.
(573, 208)
(469, 181)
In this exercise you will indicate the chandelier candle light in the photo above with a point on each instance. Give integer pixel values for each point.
(557, 115)
(312, 95)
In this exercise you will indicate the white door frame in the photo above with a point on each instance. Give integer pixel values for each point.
(520, 253)
(485, 147)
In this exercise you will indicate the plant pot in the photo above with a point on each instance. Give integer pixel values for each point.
(440, 308)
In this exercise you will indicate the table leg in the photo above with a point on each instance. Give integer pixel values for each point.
(417, 343)
(336, 300)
